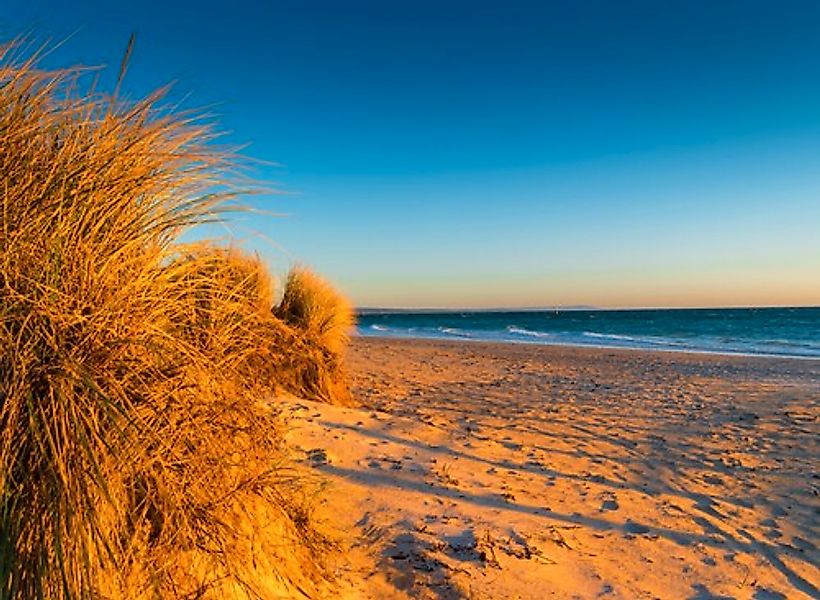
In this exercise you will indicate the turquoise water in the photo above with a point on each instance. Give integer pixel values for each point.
(793, 332)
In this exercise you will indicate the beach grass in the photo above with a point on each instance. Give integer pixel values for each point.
(322, 319)
(140, 454)
(313, 305)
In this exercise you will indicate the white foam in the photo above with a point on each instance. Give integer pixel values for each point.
(522, 331)
(652, 341)
(610, 336)
(454, 331)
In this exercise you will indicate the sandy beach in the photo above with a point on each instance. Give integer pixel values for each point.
(475, 470)
(409, 300)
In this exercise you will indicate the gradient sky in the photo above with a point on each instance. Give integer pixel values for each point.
(449, 153)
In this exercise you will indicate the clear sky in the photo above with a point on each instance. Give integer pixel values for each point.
(471, 153)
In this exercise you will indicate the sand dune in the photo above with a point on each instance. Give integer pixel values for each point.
(511, 471)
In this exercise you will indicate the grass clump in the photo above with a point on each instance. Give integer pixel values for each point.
(137, 458)
(312, 305)
(321, 319)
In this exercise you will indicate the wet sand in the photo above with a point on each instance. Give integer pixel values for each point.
(476, 470)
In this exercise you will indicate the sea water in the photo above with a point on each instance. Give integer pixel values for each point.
(788, 332)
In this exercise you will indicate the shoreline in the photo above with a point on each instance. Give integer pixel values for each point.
(434, 339)
(498, 470)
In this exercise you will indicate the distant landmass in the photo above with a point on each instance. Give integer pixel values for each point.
(374, 310)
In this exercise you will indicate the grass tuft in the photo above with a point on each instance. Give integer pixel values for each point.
(137, 456)
(314, 306)
(322, 319)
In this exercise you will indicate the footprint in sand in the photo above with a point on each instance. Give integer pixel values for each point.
(609, 503)
(765, 594)
(317, 457)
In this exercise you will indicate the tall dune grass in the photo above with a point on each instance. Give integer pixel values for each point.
(137, 458)
(322, 319)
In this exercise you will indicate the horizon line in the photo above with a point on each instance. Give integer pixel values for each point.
(568, 308)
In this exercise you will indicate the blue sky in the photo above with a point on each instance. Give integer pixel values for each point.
(501, 153)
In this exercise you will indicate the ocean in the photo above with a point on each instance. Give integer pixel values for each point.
(786, 332)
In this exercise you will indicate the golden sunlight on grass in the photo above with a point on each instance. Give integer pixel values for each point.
(312, 304)
(138, 456)
(321, 318)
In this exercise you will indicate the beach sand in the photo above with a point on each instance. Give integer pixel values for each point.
(476, 470)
